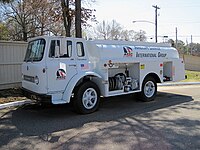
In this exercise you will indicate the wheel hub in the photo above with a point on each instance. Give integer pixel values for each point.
(89, 98)
(149, 89)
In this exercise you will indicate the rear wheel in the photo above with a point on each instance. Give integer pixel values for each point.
(149, 89)
(86, 98)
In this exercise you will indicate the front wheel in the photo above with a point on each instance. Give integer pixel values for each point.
(86, 98)
(149, 90)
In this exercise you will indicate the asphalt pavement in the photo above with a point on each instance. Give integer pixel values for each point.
(19, 103)
(172, 121)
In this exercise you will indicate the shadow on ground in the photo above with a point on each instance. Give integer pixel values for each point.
(35, 120)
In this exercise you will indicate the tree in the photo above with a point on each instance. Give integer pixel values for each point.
(194, 49)
(4, 34)
(42, 15)
(102, 30)
(171, 41)
(110, 30)
(29, 18)
(127, 35)
(83, 14)
(116, 30)
(67, 16)
(16, 11)
(190, 49)
(140, 36)
(181, 47)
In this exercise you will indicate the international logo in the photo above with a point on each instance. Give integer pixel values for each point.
(128, 52)
(61, 74)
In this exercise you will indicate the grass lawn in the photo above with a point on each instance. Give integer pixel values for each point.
(11, 95)
(192, 76)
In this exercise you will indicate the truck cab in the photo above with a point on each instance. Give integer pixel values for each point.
(50, 63)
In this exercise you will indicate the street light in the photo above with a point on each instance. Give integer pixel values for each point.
(156, 25)
(135, 21)
(143, 21)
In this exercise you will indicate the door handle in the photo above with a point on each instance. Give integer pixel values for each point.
(82, 59)
(73, 65)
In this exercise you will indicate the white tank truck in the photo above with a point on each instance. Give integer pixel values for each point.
(61, 70)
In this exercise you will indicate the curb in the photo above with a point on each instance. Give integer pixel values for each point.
(17, 103)
(179, 83)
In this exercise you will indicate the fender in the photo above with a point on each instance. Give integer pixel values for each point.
(72, 83)
(154, 74)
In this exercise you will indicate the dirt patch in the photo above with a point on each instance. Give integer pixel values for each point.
(11, 95)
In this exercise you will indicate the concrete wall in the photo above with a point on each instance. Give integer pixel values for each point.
(192, 62)
(11, 57)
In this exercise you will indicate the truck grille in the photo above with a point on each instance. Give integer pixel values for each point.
(29, 78)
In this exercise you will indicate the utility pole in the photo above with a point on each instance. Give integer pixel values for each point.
(176, 38)
(78, 18)
(191, 45)
(156, 21)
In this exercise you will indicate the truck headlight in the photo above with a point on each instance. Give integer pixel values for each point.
(36, 80)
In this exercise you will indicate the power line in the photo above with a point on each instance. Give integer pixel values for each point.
(183, 36)
(188, 6)
(180, 22)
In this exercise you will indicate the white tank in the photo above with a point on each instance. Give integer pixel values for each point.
(123, 49)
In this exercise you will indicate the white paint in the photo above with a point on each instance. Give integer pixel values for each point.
(107, 65)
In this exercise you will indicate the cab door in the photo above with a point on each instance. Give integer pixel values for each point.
(61, 64)
(81, 55)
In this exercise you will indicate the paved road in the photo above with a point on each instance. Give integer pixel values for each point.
(172, 121)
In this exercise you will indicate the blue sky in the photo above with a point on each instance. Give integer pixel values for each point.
(183, 14)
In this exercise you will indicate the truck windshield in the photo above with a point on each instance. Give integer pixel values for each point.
(35, 50)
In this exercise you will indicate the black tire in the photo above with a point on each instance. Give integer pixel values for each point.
(149, 90)
(90, 91)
